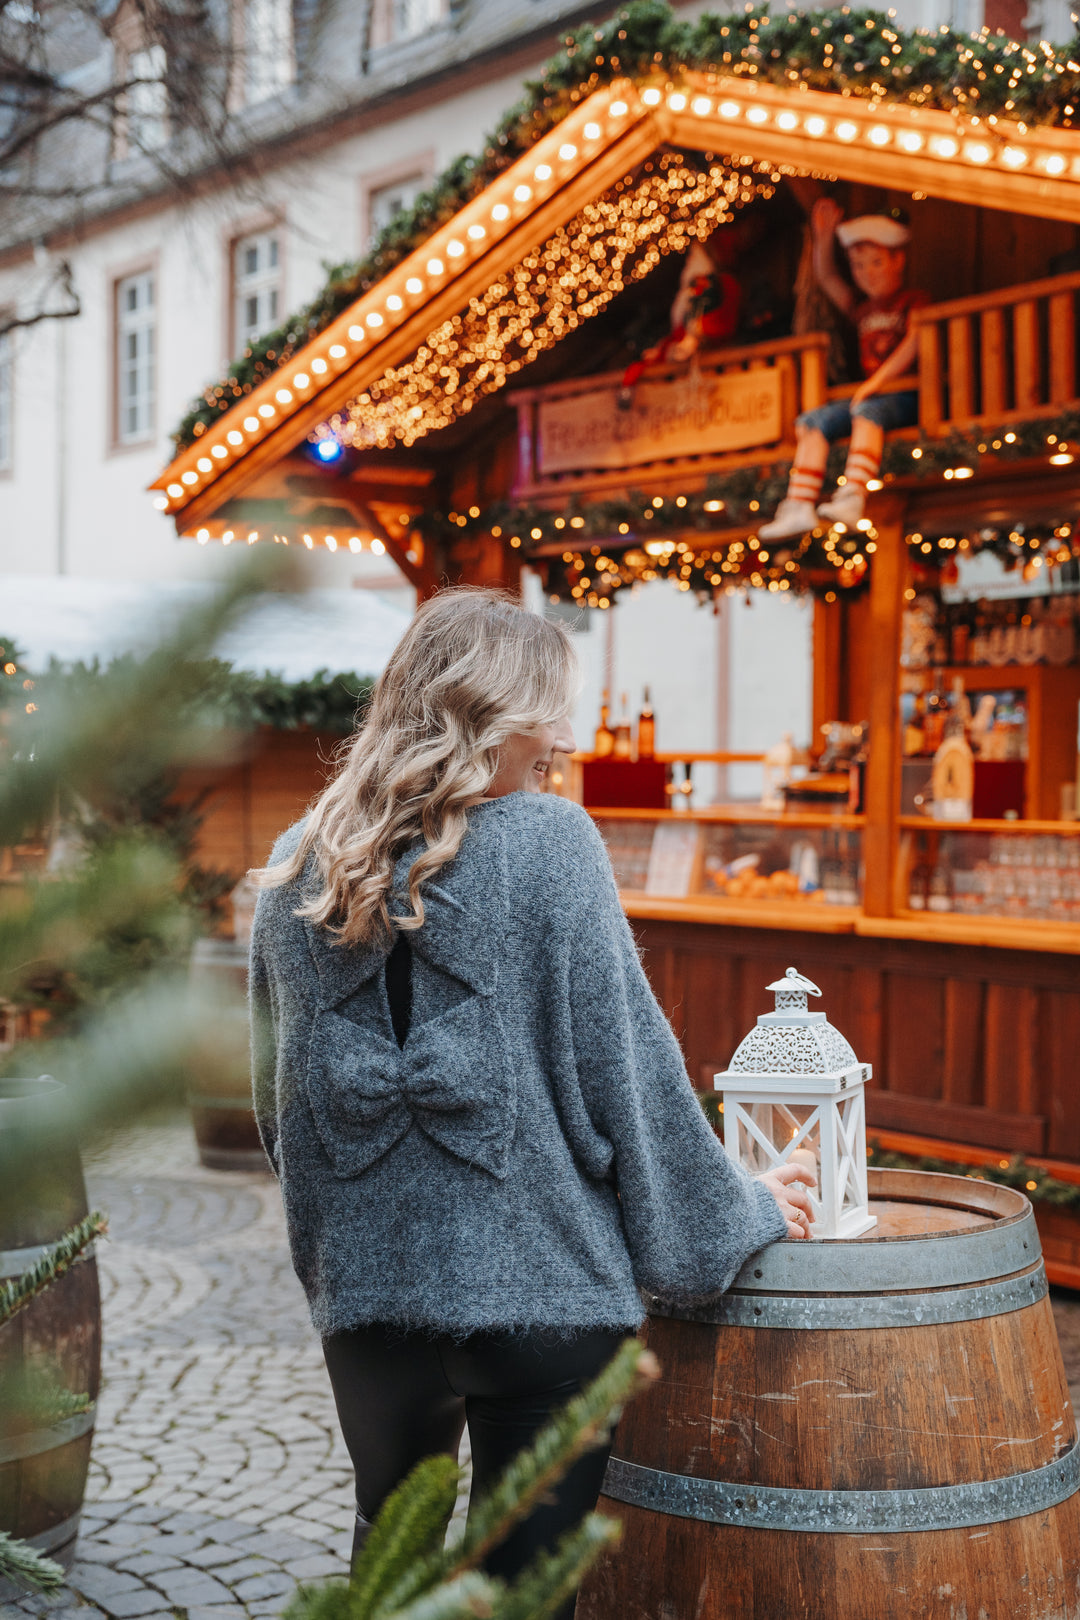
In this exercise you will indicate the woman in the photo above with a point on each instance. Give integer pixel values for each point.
(482, 1123)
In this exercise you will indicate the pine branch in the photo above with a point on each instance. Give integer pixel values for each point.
(553, 1577)
(469, 1597)
(407, 1532)
(58, 1259)
(21, 1564)
(583, 1423)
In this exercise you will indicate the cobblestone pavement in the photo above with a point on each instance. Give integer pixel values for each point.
(219, 1479)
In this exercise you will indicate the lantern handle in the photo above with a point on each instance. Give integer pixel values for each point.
(793, 980)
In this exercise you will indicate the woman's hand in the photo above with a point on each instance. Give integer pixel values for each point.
(784, 1184)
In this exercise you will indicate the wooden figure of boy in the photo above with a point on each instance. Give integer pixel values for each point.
(876, 247)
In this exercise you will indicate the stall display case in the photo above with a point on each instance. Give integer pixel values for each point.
(798, 870)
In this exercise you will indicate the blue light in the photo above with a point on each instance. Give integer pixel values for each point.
(328, 449)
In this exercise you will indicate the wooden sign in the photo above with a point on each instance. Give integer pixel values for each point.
(702, 413)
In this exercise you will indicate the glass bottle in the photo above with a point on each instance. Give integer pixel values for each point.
(604, 741)
(622, 742)
(646, 730)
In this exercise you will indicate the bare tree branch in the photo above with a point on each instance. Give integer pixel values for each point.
(61, 278)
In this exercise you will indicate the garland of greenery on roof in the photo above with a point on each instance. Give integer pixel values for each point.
(850, 51)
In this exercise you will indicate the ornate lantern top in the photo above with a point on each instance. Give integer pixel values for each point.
(792, 1040)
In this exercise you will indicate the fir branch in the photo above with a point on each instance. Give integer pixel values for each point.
(409, 1528)
(21, 1564)
(58, 1259)
(553, 1577)
(469, 1597)
(31, 1391)
(584, 1422)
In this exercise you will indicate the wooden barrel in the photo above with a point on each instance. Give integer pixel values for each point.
(870, 1429)
(220, 1094)
(55, 1342)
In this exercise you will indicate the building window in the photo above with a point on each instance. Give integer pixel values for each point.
(146, 103)
(267, 48)
(387, 202)
(256, 287)
(7, 399)
(136, 367)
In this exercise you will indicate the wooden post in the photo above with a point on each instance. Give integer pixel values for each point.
(992, 343)
(1062, 348)
(1026, 353)
(961, 369)
(828, 656)
(929, 378)
(888, 577)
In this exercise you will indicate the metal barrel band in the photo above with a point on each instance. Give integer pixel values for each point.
(839, 1266)
(771, 1507)
(13, 1262)
(812, 1312)
(58, 1535)
(36, 1441)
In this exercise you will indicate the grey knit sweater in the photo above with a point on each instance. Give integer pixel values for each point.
(535, 1154)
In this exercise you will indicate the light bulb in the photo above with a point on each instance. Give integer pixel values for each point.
(522, 193)
(617, 109)
(701, 105)
(847, 131)
(455, 249)
(500, 212)
(435, 267)
(318, 366)
(542, 171)
(374, 319)
(204, 464)
(651, 97)
(393, 302)
(301, 380)
(283, 396)
(756, 115)
(568, 152)
(879, 135)
(267, 411)
(815, 126)
(787, 120)
(677, 102)
(592, 132)
(414, 285)
(218, 450)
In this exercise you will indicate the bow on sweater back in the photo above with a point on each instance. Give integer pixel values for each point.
(533, 1155)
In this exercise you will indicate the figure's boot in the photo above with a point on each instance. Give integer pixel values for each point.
(848, 505)
(792, 518)
(795, 515)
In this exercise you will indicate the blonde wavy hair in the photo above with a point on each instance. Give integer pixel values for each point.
(473, 668)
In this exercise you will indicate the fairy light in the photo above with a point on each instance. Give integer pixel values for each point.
(618, 109)
(846, 131)
(651, 96)
(815, 126)
(395, 302)
(615, 241)
(318, 367)
(787, 121)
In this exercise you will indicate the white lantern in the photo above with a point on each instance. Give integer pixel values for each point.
(795, 1089)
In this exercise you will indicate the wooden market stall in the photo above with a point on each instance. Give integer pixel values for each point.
(948, 949)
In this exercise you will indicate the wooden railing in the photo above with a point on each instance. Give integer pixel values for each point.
(998, 357)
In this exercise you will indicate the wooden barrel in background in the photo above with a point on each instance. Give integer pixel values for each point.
(220, 1096)
(55, 1340)
(870, 1429)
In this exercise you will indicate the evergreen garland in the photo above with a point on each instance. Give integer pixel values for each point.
(849, 51)
(1030, 1179)
(17, 1292)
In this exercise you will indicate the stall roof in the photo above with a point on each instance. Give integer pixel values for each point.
(79, 620)
(608, 135)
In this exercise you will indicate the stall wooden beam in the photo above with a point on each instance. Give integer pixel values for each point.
(888, 577)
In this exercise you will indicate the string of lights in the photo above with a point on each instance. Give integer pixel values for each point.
(859, 54)
(613, 242)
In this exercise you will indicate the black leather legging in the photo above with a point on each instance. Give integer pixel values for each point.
(402, 1395)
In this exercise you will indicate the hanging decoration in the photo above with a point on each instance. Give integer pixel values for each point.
(850, 51)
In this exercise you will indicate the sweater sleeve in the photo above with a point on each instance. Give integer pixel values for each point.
(691, 1216)
(263, 1050)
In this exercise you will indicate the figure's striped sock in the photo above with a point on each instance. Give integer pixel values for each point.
(805, 483)
(861, 467)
